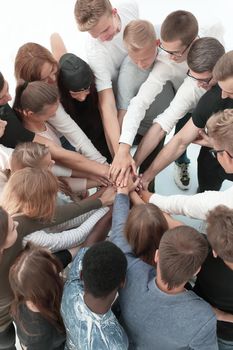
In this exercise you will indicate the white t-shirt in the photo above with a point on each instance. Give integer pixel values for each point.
(184, 101)
(105, 58)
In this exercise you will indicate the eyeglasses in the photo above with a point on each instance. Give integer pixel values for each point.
(206, 81)
(215, 152)
(176, 53)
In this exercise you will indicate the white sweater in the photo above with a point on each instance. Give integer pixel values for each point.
(66, 239)
(196, 206)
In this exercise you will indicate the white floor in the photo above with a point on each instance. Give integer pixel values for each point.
(26, 20)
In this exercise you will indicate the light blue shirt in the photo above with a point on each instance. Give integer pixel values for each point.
(85, 329)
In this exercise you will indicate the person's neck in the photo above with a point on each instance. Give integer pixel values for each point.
(35, 127)
(99, 305)
(164, 287)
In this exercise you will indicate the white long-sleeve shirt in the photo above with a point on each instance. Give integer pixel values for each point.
(185, 101)
(195, 206)
(65, 239)
(164, 69)
(63, 123)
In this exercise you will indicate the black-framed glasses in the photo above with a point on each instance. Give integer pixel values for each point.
(215, 152)
(206, 81)
(176, 53)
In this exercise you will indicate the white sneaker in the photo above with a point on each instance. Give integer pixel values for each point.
(181, 175)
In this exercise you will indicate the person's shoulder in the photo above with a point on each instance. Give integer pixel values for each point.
(127, 7)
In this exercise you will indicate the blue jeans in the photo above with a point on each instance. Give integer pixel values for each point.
(225, 344)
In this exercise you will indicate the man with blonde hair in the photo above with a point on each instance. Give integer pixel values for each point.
(142, 46)
(105, 53)
(215, 280)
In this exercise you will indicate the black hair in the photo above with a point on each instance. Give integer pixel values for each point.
(2, 81)
(104, 269)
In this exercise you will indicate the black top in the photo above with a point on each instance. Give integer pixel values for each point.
(40, 334)
(86, 114)
(210, 103)
(14, 131)
(215, 285)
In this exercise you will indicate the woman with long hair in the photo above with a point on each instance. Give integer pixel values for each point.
(34, 62)
(36, 103)
(37, 289)
(32, 192)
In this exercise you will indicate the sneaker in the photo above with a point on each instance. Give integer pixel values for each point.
(181, 176)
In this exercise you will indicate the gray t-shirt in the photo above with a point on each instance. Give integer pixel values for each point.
(129, 81)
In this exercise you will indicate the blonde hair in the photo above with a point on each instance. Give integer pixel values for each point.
(88, 12)
(28, 154)
(224, 67)
(220, 128)
(32, 192)
(139, 34)
(31, 154)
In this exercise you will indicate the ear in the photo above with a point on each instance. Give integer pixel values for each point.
(114, 11)
(156, 258)
(26, 113)
(157, 42)
(214, 253)
(197, 271)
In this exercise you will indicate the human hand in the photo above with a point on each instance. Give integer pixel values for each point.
(121, 166)
(203, 139)
(108, 196)
(103, 177)
(3, 124)
(132, 184)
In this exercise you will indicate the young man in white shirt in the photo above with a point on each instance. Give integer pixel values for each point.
(202, 57)
(105, 53)
(220, 132)
(178, 32)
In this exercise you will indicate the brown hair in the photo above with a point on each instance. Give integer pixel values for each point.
(143, 230)
(31, 191)
(88, 12)
(220, 232)
(4, 228)
(2, 81)
(179, 25)
(182, 251)
(31, 154)
(224, 67)
(35, 277)
(28, 154)
(34, 96)
(204, 54)
(29, 60)
(139, 34)
(220, 128)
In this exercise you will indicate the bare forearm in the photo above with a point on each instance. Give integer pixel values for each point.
(166, 156)
(121, 114)
(111, 125)
(151, 139)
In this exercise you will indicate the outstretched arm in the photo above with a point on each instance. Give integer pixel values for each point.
(57, 46)
(171, 151)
